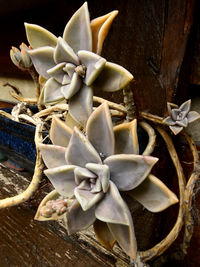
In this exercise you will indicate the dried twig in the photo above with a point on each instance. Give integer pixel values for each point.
(162, 246)
(152, 118)
(110, 104)
(65, 107)
(5, 114)
(152, 138)
(12, 201)
(17, 91)
(22, 99)
(189, 192)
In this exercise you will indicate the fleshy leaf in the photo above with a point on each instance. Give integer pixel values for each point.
(70, 69)
(128, 171)
(125, 234)
(86, 198)
(112, 208)
(169, 121)
(57, 72)
(71, 122)
(80, 151)
(77, 32)
(100, 132)
(42, 59)
(153, 194)
(100, 28)
(64, 53)
(38, 36)
(62, 178)
(176, 129)
(60, 133)
(77, 219)
(52, 91)
(126, 141)
(81, 112)
(103, 234)
(112, 78)
(185, 107)
(94, 65)
(39, 217)
(71, 89)
(182, 123)
(193, 116)
(53, 156)
(102, 172)
(82, 174)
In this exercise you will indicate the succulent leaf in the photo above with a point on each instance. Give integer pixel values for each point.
(103, 234)
(62, 178)
(53, 156)
(87, 218)
(103, 174)
(81, 112)
(94, 65)
(64, 53)
(47, 215)
(169, 121)
(193, 116)
(57, 72)
(80, 151)
(112, 78)
(38, 36)
(112, 208)
(153, 194)
(86, 198)
(100, 132)
(185, 107)
(100, 28)
(42, 58)
(125, 236)
(60, 133)
(128, 171)
(69, 90)
(77, 32)
(176, 129)
(126, 141)
(52, 91)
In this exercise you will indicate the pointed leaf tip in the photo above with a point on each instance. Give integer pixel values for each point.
(100, 27)
(38, 36)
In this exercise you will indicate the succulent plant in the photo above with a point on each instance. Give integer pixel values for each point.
(70, 63)
(89, 170)
(21, 57)
(179, 117)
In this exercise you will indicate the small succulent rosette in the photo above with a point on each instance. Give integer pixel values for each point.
(21, 58)
(71, 64)
(179, 117)
(89, 170)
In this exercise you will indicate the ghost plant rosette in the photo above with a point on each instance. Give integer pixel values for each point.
(179, 117)
(70, 63)
(89, 170)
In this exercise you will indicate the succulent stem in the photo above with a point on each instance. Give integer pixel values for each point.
(110, 104)
(169, 239)
(22, 99)
(189, 193)
(129, 103)
(12, 201)
(35, 78)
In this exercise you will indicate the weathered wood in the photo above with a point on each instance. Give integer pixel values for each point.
(25, 242)
(148, 37)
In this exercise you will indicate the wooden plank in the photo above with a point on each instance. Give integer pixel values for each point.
(25, 242)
